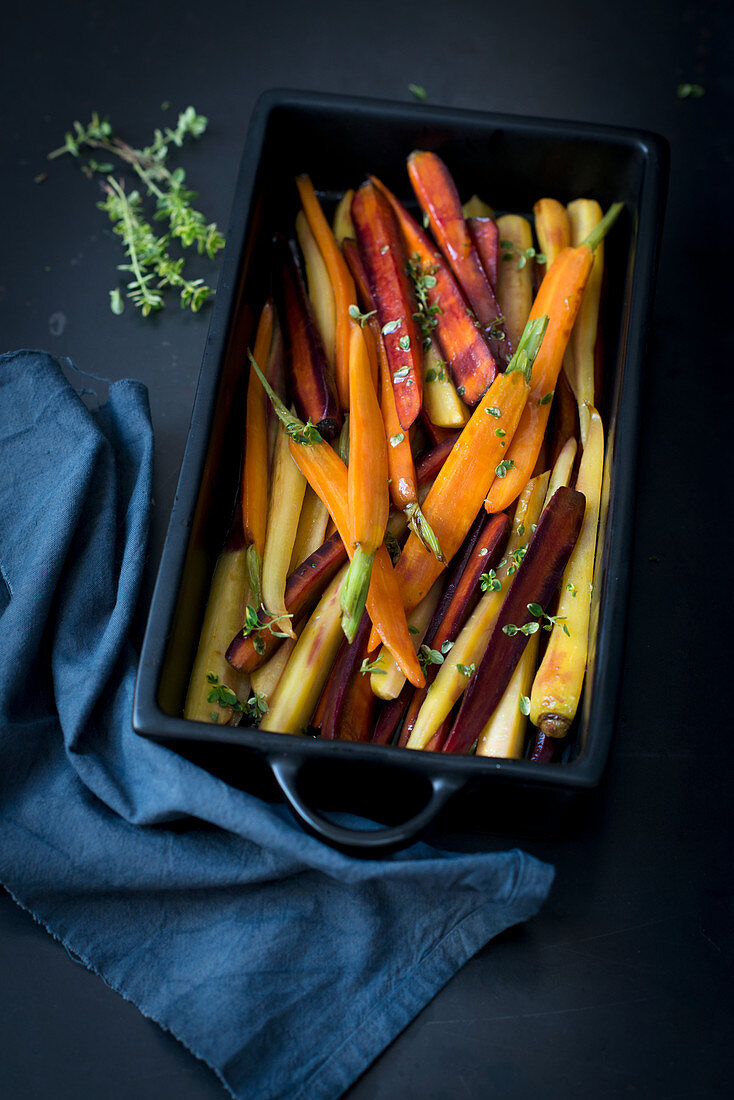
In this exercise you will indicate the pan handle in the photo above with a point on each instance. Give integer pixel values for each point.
(368, 843)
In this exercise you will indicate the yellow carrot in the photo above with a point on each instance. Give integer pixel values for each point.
(441, 402)
(286, 498)
(254, 490)
(311, 528)
(584, 215)
(476, 208)
(561, 472)
(225, 609)
(345, 294)
(265, 679)
(342, 226)
(504, 734)
(557, 686)
(305, 674)
(320, 291)
(552, 228)
(515, 283)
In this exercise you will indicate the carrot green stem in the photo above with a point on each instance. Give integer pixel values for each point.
(295, 428)
(528, 347)
(354, 591)
(420, 526)
(254, 573)
(600, 230)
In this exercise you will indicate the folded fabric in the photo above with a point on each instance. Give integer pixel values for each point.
(208, 908)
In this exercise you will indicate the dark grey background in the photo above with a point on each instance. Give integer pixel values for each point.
(622, 984)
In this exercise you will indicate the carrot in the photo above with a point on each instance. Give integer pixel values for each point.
(457, 493)
(341, 281)
(255, 467)
(385, 264)
(327, 474)
(552, 228)
(367, 493)
(436, 192)
(470, 360)
(559, 297)
(401, 468)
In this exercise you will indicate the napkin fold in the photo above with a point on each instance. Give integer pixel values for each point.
(284, 965)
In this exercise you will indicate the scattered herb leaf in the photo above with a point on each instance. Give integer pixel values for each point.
(356, 314)
(502, 467)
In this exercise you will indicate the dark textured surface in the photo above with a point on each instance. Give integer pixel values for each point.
(622, 984)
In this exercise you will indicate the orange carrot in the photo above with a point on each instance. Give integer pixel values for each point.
(367, 493)
(255, 467)
(341, 280)
(327, 475)
(461, 485)
(401, 467)
(559, 297)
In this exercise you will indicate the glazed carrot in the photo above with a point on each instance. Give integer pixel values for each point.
(228, 595)
(341, 281)
(311, 529)
(564, 421)
(304, 676)
(358, 273)
(441, 402)
(559, 297)
(457, 493)
(327, 474)
(310, 377)
(584, 215)
(382, 254)
(347, 705)
(401, 468)
(342, 225)
(552, 228)
(485, 238)
(255, 467)
(320, 291)
(515, 282)
(476, 208)
(557, 685)
(470, 360)
(367, 475)
(436, 192)
(284, 510)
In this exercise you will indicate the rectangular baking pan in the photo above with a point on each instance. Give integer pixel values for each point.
(511, 162)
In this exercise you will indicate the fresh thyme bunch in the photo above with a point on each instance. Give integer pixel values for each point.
(150, 264)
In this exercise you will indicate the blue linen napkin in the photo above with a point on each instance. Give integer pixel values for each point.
(209, 909)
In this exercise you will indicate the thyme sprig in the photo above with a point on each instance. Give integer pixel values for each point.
(253, 709)
(254, 625)
(510, 250)
(424, 280)
(152, 267)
